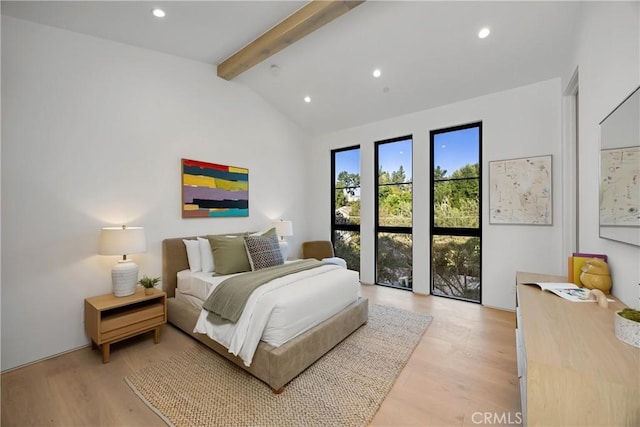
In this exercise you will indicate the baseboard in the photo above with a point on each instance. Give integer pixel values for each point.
(15, 368)
(512, 310)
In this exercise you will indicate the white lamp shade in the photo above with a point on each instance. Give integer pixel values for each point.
(284, 228)
(122, 240)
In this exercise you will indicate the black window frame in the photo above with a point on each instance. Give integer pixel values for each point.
(386, 228)
(455, 231)
(340, 227)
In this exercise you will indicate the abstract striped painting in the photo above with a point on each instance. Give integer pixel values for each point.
(211, 190)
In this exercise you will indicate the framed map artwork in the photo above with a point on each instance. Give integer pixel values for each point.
(520, 191)
(620, 187)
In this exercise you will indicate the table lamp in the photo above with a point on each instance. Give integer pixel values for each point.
(284, 228)
(122, 241)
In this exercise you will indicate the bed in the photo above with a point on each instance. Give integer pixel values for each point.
(274, 365)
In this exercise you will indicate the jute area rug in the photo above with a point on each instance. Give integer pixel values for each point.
(343, 388)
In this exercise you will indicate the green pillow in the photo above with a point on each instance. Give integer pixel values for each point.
(229, 254)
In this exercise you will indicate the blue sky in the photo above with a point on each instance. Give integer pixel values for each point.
(394, 154)
(348, 161)
(452, 150)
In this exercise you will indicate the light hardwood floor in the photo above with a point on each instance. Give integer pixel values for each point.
(464, 367)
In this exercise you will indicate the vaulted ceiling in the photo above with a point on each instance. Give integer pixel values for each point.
(428, 52)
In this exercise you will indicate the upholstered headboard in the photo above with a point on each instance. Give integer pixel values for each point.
(174, 259)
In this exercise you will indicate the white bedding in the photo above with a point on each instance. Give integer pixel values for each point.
(188, 300)
(281, 309)
(198, 284)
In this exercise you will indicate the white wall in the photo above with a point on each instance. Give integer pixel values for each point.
(608, 63)
(516, 123)
(93, 133)
(521, 122)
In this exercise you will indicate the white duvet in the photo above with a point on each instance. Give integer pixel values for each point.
(283, 309)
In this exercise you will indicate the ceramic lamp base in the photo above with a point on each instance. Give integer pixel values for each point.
(124, 277)
(284, 249)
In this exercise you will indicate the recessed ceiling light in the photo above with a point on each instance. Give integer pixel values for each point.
(307, 99)
(484, 33)
(158, 13)
(377, 73)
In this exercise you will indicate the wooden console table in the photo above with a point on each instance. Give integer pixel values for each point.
(573, 370)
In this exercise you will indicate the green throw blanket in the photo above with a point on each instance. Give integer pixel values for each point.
(228, 300)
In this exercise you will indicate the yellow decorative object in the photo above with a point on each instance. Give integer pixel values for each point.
(595, 275)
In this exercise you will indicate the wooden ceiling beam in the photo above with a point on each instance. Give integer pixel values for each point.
(304, 21)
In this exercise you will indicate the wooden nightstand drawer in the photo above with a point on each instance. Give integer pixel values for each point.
(126, 330)
(112, 321)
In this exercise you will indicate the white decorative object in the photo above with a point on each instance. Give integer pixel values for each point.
(284, 228)
(122, 241)
(627, 330)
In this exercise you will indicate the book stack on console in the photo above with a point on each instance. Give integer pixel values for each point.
(575, 263)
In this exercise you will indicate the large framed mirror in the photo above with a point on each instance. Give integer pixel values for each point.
(620, 172)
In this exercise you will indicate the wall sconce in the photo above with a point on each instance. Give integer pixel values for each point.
(122, 241)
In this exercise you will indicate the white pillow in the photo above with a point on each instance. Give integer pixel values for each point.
(335, 260)
(193, 254)
(206, 256)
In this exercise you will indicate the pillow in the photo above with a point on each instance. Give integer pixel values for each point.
(206, 256)
(229, 254)
(193, 254)
(335, 260)
(269, 232)
(263, 251)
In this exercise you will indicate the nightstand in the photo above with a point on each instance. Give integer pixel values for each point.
(109, 319)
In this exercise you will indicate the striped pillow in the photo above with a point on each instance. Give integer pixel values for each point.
(263, 251)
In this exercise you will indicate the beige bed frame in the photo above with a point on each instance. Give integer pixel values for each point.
(276, 366)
